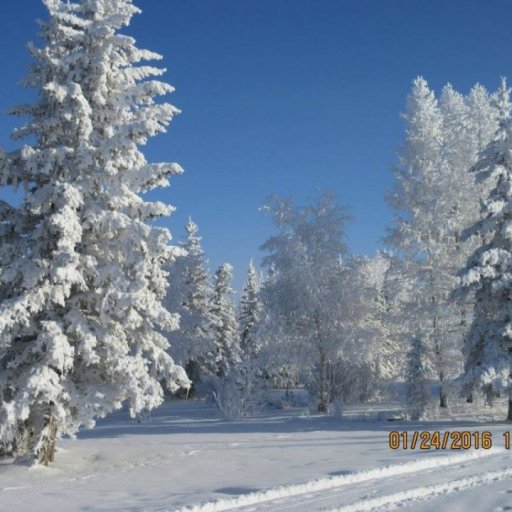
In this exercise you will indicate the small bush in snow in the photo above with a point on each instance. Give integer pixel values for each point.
(238, 394)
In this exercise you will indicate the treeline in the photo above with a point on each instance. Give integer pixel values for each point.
(424, 308)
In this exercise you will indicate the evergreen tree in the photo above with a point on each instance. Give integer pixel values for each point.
(250, 315)
(416, 381)
(227, 344)
(488, 350)
(82, 279)
(190, 295)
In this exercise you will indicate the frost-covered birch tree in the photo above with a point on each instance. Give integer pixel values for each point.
(305, 295)
(82, 279)
(488, 349)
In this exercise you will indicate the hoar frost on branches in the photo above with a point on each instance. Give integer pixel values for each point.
(306, 296)
(442, 142)
(419, 233)
(488, 273)
(82, 279)
(373, 332)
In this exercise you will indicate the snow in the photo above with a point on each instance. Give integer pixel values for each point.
(422, 493)
(325, 484)
(186, 459)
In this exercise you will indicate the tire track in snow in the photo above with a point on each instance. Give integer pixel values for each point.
(427, 492)
(330, 483)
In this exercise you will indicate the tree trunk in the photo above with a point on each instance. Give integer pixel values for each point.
(509, 414)
(437, 347)
(322, 404)
(24, 435)
(47, 452)
(443, 401)
(324, 399)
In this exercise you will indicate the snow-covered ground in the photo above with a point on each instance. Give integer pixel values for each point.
(187, 459)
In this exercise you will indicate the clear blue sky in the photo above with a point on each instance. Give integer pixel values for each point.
(287, 97)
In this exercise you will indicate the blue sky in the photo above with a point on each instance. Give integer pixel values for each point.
(287, 97)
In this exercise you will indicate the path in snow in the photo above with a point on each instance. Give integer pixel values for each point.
(380, 489)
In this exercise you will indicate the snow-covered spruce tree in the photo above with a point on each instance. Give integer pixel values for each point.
(247, 377)
(417, 393)
(250, 315)
(226, 336)
(82, 272)
(190, 295)
(306, 296)
(488, 350)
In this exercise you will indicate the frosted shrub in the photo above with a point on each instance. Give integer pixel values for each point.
(230, 399)
(241, 393)
(350, 382)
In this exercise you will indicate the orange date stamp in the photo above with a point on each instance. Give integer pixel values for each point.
(449, 440)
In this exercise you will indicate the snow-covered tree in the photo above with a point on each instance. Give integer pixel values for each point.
(226, 336)
(81, 277)
(305, 294)
(399, 292)
(481, 122)
(432, 213)
(276, 358)
(363, 354)
(374, 331)
(250, 315)
(417, 392)
(469, 124)
(417, 237)
(488, 273)
(190, 295)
